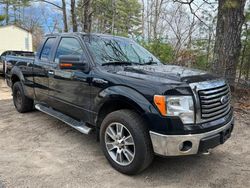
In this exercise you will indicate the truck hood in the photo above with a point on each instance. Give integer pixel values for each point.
(165, 73)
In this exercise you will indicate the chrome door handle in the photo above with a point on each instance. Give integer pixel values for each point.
(51, 72)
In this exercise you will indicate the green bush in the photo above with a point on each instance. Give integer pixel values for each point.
(163, 51)
(2, 18)
(201, 62)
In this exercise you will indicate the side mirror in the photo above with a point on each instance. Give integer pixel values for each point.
(73, 62)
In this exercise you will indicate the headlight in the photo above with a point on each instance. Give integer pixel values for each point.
(181, 106)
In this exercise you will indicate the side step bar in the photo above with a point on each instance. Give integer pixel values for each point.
(80, 126)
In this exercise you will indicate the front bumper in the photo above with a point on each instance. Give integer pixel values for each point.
(176, 145)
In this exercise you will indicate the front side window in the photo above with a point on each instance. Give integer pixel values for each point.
(68, 46)
(47, 49)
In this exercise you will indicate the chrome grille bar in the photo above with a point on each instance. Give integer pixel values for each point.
(206, 111)
(205, 106)
(209, 115)
(208, 96)
(214, 90)
(209, 101)
(218, 116)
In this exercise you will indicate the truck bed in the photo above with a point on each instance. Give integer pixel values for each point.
(14, 56)
(12, 61)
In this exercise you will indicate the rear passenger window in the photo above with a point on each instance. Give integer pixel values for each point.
(47, 49)
(68, 46)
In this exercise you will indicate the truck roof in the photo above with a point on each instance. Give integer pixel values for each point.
(82, 33)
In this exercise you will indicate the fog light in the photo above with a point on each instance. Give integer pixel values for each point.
(185, 146)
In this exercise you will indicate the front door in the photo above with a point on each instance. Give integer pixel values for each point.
(69, 89)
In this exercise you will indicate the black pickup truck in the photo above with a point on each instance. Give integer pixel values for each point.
(136, 105)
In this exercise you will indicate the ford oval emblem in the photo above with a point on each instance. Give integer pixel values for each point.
(224, 100)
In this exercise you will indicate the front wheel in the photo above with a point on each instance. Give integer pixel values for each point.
(125, 142)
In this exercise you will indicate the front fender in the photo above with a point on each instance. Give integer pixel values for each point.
(155, 120)
(125, 94)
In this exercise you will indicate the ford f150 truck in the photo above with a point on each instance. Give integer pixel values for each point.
(136, 105)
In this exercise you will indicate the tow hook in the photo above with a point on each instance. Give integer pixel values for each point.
(208, 152)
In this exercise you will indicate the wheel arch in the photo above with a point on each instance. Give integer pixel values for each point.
(14, 79)
(121, 97)
(114, 105)
(16, 75)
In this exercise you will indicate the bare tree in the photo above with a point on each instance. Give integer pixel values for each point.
(50, 26)
(143, 18)
(113, 16)
(7, 12)
(230, 19)
(65, 22)
(85, 11)
(62, 8)
(157, 12)
(179, 26)
(244, 50)
(73, 15)
(87, 16)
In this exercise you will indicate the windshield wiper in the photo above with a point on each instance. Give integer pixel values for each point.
(117, 63)
(150, 63)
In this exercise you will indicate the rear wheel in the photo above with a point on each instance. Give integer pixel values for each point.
(3, 68)
(125, 142)
(21, 102)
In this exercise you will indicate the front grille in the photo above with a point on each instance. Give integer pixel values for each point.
(214, 102)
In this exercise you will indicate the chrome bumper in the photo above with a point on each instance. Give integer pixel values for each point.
(170, 145)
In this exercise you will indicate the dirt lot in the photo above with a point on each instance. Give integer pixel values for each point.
(37, 150)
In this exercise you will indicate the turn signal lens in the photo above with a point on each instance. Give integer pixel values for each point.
(160, 102)
(65, 65)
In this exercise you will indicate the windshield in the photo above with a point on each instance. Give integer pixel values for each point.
(109, 49)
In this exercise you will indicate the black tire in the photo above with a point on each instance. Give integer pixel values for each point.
(136, 125)
(3, 68)
(21, 102)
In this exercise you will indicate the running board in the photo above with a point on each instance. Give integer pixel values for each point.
(80, 126)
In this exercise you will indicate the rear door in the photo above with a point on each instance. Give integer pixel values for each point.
(70, 89)
(41, 68)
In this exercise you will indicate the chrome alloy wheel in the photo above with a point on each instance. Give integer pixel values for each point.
(119, 144)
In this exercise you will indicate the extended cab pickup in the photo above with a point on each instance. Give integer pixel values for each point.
(136, 105)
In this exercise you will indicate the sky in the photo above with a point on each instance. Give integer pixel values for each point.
(43, 13)
(48, 15)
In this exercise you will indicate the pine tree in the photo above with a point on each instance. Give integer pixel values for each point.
(120, 17)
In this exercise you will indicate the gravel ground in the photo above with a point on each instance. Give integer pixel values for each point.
(37, 150)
